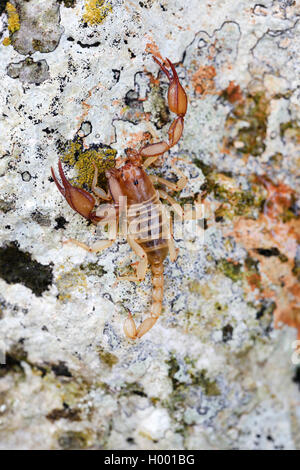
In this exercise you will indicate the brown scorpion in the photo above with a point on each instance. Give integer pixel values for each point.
(130, 183)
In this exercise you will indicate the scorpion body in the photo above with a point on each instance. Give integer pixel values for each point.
(132, 190)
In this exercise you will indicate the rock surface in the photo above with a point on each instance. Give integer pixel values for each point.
(216, 371)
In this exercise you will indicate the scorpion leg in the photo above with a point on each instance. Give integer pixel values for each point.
(141, 268)
(181, 183)
(96, 247)
(177, 101)
(173, 252)
(99, 191)
(172, 202)
(148, 162)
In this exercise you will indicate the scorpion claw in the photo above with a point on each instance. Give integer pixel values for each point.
(177, 98)
(80, 200)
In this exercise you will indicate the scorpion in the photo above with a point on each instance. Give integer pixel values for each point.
(131, 183)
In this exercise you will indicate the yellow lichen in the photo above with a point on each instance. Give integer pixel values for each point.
(95, 11)
(69, 281)
(6, 42)
(13, 18)
(82, 159)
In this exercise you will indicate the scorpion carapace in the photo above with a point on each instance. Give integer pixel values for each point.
(150, 232)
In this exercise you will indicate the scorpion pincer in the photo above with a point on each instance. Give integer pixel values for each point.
(151, 237)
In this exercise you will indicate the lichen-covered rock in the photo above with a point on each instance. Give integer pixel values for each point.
(39, 27)
(29, 71)
(220, 369)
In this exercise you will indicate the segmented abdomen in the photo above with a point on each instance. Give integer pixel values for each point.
(148, 225)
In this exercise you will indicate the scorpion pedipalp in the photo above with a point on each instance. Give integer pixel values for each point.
(177, 102)
(80, 200)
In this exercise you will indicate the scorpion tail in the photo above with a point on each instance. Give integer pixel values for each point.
(157, 296)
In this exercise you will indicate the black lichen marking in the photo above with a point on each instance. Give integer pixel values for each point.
(61, 370)
(84, 45)
(6, 206)
(61, 223)
(26, 176)
(13, 359)
(116, 74)
(68, 3)
(265, 316)
(227, 333)
(296, 377)
(132, 389)
(268, 251)
(132, 100)
(71, 414)
(41, 219)
(3, 5)
(16, 266)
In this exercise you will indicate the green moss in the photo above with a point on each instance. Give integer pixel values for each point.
(158, 105)
(290, 131)
(173, 369)
(197, 378)
(230, 269)
(209, 386)
(107, 358)
(194, 287)
(37, 45)
(221, 308)
(82, 159)
(249, 119)
(277, 158)
(93, 269)
(16, 266)
(206, 169)
(224, 188)
(133, 388)
(252, 274)
(73, 440)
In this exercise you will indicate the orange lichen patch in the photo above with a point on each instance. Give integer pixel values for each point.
(233, 93)
(138, 139)
(86, 106)
(203, 80)
(272, 240)
(152, 48)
